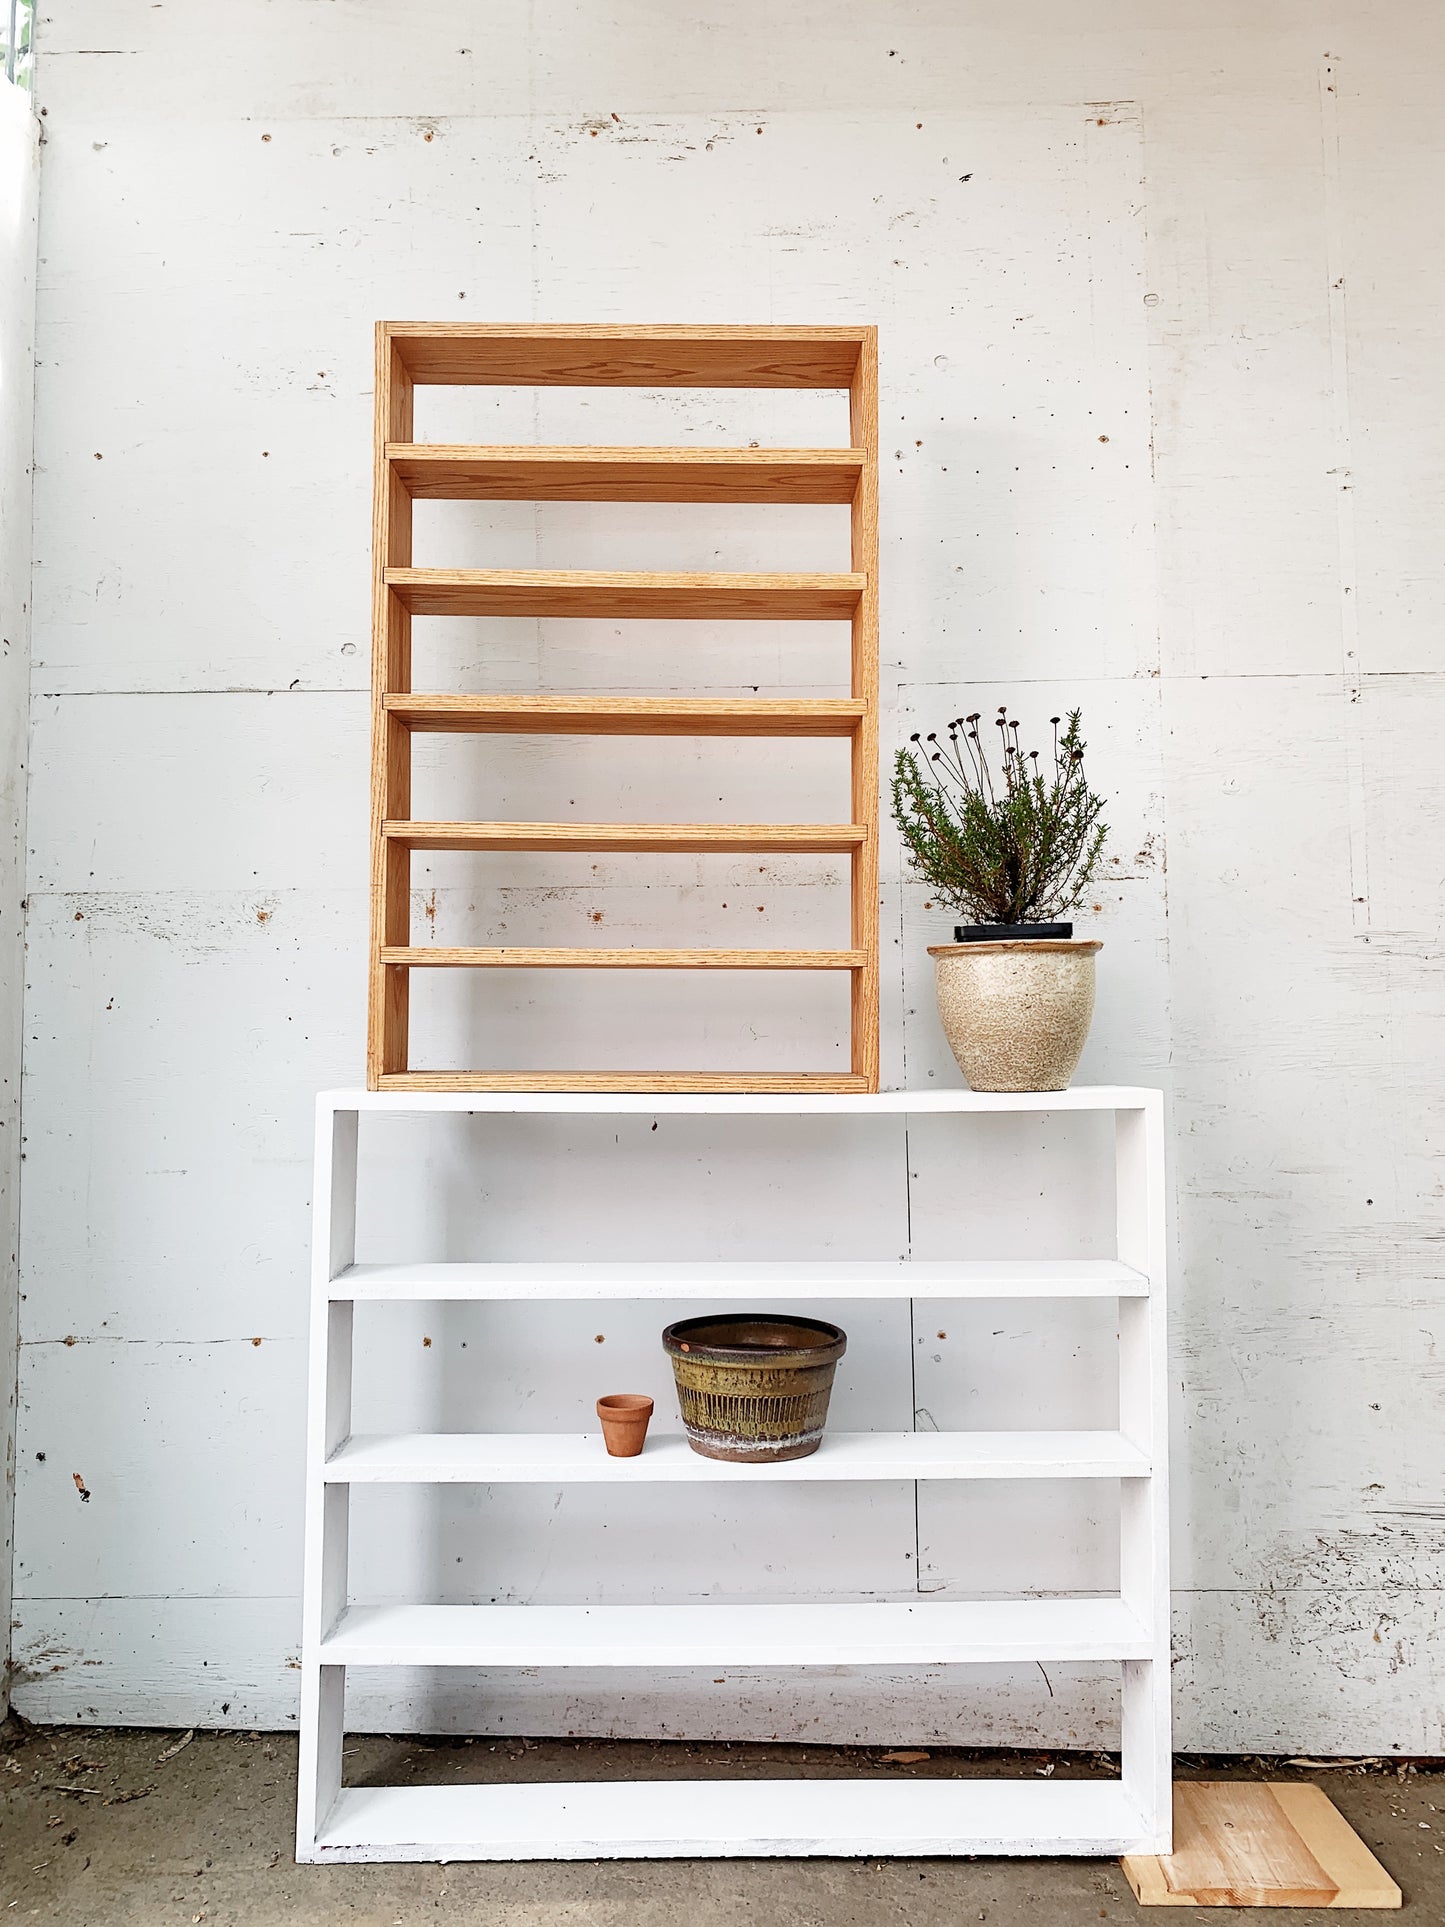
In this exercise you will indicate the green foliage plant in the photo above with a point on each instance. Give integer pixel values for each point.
(1022, 847)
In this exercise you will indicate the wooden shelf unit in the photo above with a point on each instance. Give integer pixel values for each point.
(481, 354)
(1128, 1627)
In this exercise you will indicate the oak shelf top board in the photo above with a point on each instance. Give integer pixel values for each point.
(586, 355)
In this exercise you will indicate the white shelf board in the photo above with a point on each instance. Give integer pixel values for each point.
(928, 1633)
(719, 1818)
(579, 1458)
(795, 1280)
(1080, 1097)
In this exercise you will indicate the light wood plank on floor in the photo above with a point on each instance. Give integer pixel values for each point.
(1247, 1844)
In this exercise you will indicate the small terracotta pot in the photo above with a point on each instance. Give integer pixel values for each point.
(624, 1417)
(1016, 1015)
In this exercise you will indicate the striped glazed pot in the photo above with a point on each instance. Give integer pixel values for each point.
(753, 1389)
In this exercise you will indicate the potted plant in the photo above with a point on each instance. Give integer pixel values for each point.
(1013, 852)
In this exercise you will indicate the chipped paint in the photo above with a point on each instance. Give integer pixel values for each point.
(19, 157)
(1164, 449)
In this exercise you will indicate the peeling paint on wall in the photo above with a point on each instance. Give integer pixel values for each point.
(1162, 378)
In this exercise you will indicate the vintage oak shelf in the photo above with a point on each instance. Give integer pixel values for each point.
(478, 354)
(1128, 1627)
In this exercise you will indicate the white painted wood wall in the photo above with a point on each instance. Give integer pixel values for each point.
(19, 180)
(1158, 297)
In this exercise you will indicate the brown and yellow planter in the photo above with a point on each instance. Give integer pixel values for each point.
(753, 1389)
(1016, 1015)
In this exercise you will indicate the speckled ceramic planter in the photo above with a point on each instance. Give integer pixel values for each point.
(1016, 1014)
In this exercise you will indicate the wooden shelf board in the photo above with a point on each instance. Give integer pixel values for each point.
(919, 1633)
(688, 839)
(756, 1099)
(603, 1083)
(849, 1819)
(473, 354)
(1243, 1843)
(517, 957)
(626, 594)
(543, 1458)
(455, 472)
(731, 1280)
(628, 715)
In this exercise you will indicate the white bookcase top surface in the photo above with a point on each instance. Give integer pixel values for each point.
(1079, 1097)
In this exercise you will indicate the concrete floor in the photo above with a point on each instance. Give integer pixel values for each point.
(101, 1828)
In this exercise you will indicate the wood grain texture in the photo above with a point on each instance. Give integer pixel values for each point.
(446, 472)
(640, 594)
(650, 838)
(518, 957)
(1233, 1847)
(391, 535)
(480, 354)
(1246, 1844)
(1359, 1878)
(627, 715)
(821, 1083)
(863, 420)
(467, 354)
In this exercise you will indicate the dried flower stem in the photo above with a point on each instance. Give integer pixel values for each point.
(1020, 850)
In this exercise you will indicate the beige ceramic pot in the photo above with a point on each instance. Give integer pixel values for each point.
(1016, 1014)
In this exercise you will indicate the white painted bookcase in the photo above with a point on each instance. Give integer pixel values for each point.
(1130, 1814)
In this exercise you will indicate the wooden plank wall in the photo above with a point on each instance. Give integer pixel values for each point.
(19, 181)
(1158, 401)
